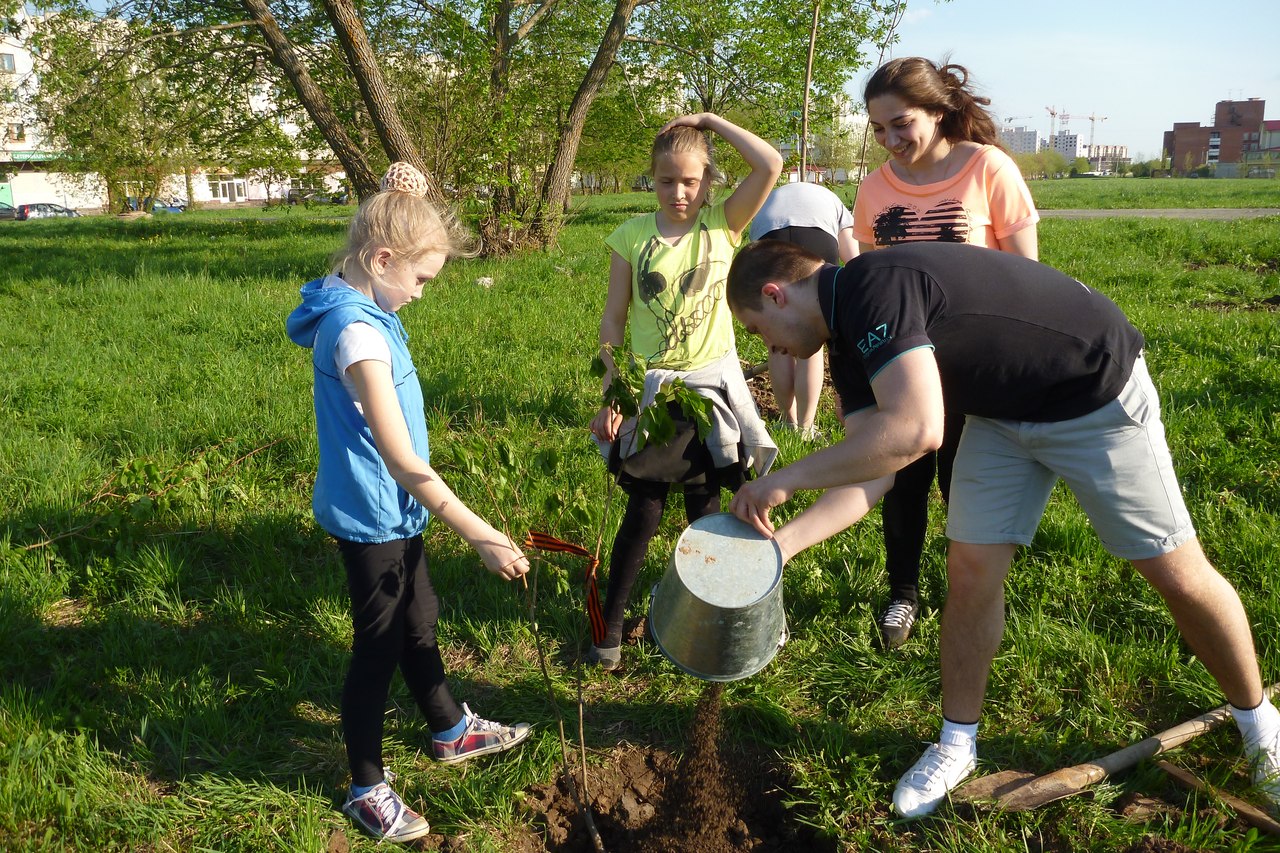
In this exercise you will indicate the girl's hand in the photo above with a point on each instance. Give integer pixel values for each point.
(698, 120)
(606, 423)
(502, 557)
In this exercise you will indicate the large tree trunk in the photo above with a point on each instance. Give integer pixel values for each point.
(556, 185)
(382, 109)
(363, 180)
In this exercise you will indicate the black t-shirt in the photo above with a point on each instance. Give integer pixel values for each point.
(1013, 338)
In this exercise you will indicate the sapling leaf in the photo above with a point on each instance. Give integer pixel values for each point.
(656, 425)
(696, 408)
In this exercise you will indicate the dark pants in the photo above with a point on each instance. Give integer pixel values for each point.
(646, 501)
(905, 511)
(394, 612)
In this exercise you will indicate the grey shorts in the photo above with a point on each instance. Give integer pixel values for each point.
(1115, 461)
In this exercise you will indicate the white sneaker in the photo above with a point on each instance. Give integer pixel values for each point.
(1264, 761)
(930, 779)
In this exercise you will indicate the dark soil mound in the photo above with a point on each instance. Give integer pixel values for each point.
(714, 800)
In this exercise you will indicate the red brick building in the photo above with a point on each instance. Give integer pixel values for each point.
(1235, 134)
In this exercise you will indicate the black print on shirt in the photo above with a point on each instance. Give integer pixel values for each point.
(666, 302)
(899, 223)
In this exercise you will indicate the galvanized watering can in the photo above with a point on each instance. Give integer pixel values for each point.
(717, 612)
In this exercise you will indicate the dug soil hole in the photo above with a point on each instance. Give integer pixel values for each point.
(717, 798)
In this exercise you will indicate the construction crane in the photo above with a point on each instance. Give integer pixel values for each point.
(1056, 115)
(1009, 120)
(1093, 154)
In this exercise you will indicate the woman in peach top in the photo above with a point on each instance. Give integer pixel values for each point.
(947, 179)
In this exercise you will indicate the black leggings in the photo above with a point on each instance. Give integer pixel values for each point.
(905, 512)
(394, 612)
(646, 501)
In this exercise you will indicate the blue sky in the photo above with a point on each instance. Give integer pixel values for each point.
(1142, 64)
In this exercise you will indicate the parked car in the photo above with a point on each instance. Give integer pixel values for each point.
(43, 210)
(155, 205)
(299, 195)
(173, 205)
(7, 211)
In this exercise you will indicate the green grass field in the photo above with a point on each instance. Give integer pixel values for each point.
(1115, 193)
(175, 626)
(1119, 193)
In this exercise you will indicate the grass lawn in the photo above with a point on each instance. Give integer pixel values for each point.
(175, 626)
(1119, 193)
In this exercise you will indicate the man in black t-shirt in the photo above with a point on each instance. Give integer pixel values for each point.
(1050, 376)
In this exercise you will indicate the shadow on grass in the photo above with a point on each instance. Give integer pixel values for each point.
(553, 406)
(203, 653)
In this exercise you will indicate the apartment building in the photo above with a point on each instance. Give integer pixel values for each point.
(1235, 138)
(1020, 140)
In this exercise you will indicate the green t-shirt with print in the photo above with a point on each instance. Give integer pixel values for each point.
(680, 319)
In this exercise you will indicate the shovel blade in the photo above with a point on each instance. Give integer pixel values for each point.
(1057, 785)
(991, 787)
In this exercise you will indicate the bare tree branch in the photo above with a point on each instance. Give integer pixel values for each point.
(544, 8)
(234, 25)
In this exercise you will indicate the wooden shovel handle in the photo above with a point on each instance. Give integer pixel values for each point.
(1072, 780)
(1250, 814)
(1161, 742)
(1169, 738)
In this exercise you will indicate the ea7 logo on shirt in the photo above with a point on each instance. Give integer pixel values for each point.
(874, 339)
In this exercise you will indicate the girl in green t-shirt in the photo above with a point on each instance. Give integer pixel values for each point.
(666, 275)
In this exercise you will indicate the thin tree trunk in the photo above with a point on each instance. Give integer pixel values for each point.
(362, 178)
(556, 185)
(502, 200)
(804, 109)
(373, 89)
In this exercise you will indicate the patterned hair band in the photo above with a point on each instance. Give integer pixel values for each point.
(404, 177)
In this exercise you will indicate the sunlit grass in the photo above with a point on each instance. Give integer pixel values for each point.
(175, 627)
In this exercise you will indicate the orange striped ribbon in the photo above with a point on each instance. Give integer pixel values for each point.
(595, 614)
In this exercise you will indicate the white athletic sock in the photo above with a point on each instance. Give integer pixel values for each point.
(959, 736)
(1257, 725)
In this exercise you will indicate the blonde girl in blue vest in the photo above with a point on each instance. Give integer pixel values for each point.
(375, 490)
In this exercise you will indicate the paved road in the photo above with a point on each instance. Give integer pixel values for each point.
(1171, 213)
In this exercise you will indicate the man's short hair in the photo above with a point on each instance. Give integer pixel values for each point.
(762, 262)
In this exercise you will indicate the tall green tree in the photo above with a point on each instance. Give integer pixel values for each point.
(751, 54)
(115, 99)
(490, 97)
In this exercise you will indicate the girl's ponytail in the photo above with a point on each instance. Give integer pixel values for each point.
(944, 91)
(968, 119)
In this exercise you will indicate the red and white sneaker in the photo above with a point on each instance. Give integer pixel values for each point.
(480, 737)
(381, 813)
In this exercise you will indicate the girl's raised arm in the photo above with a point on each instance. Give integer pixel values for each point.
(763, 158)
